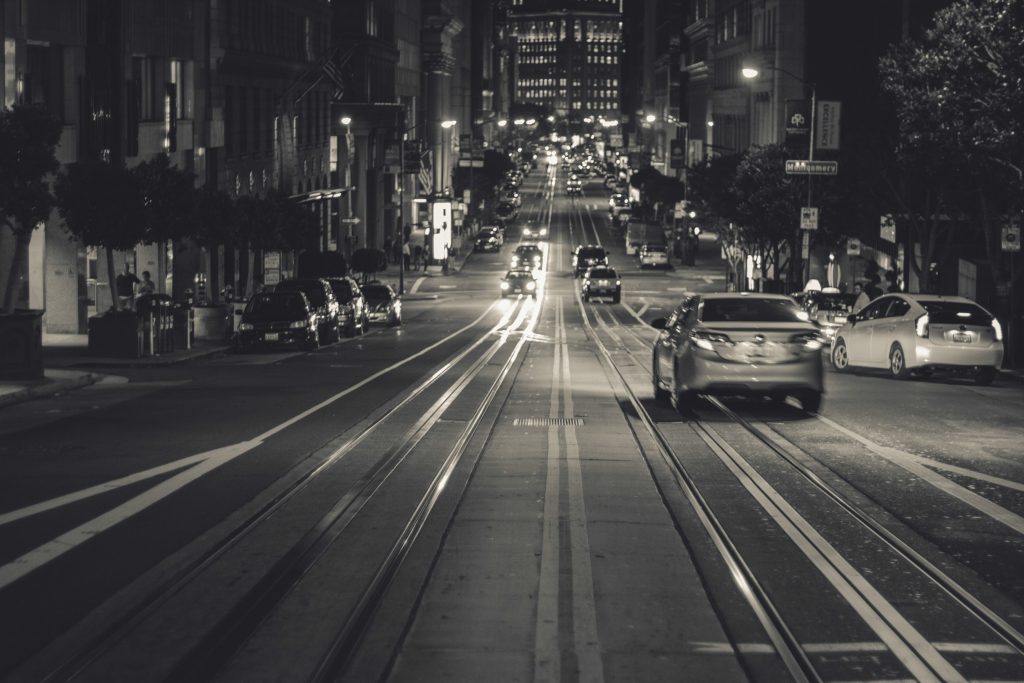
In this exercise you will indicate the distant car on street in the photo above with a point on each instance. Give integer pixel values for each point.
(519, 281)
(828, 306)
(505, 211)
(653, 256)
(585, 257)
(601, 281)
(573, 188)
(532, 231)
(383, 305)
(278, 320)
(321, 297)
(738, 343)
(527, 256)
(487, 240)
(919, 334)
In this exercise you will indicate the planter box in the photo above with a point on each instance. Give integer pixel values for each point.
(116, 335)
(21, 345)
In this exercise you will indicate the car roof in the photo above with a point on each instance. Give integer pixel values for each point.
(744, 295)
(917, 296)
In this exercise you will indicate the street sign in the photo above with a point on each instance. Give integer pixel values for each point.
(471, 163)
(826, 133)
(808, 218)
(806, 167)
(1011, 237)
(888, 228)
(853, 247)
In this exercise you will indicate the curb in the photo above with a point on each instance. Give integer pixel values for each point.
(151, 361)
(49, 389)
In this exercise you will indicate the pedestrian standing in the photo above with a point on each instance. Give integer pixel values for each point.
(406, 254)
(417, 257)
(146, 286)
(863, 298)
(125, 286)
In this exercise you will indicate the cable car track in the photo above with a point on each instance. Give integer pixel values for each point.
(922, 658)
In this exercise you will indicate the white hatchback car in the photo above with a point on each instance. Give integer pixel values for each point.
(920, 333)
(653, 256)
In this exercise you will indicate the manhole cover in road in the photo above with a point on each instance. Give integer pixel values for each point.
(546, 421)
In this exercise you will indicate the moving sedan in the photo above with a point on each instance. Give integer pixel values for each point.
(487, 240)
(920, 333)
(519, 281)
(745, 343)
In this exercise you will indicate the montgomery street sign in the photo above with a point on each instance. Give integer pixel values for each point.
(806, 167)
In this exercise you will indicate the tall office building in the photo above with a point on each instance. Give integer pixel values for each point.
(568, 56)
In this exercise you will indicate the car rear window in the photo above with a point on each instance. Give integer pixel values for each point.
(955, 313)
(592, 253)
(602, 272)
(313, 290)
(283, 305)
(342, 290)
(749, 310)
(376, 293)
(655, 247)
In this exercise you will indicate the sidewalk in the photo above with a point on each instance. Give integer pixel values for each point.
(69, 365)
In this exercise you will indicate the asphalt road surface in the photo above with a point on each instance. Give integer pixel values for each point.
(491, 491)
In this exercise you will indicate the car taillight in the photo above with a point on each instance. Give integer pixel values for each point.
(586, 283)
(997, 330)
(299, 323)
(707, 340)
(921, 326)
(812, 341)
(242, 327)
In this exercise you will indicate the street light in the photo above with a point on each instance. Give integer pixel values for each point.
(750, 73)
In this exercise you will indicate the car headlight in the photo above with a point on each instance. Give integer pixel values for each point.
(618, 283)
(530, 286)
(295, 324)
(543, 232)
(504, 285)
(515, 261)
(244, 327)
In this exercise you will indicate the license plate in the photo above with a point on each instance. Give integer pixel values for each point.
(961, 338)
(270, 336)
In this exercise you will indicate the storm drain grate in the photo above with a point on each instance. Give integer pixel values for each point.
(546, 421)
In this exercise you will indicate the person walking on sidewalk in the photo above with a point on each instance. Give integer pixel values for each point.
(147, 286)
(406, 254)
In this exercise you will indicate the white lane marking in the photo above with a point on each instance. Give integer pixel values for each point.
(584, 609)
(416, 285)
(447, 286)
(973, 474)
(676, 289)
(905, 642)
(547, 658)
(912, 464)
(643, 309)
(210, 460)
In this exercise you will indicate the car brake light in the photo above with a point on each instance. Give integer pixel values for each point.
(921, 326)
(299, 323)
(244, 326)
(707, 340)
(812, 341)
(997, 329)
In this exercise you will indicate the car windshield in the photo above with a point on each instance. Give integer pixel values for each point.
(376, 293)
(749, 310)
(955, 313)
(287, 306)
(313, 291)
(484, 235)
(833, 302)
(342, 290)
(527, 251)
(518, 274)
(602, 272)
(655, 248)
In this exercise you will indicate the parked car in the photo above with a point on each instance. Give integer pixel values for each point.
(505, 211)
(602, 281)
(746, 343)
(352, 305)
(383, 305)
(652, 256)
(585, 257)
(278, 319)
(920, 333)
(519, 281)
(511, 196)
(527, 256)
(321, 297)
(532, 231)
(828, 306)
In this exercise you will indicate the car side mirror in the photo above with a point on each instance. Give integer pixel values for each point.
(852, 318)
(658, 323)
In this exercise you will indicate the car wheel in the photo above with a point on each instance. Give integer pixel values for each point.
(660, 394)
(840, 356)
(350, 328)
(810, 400)
(985, 376)
(898, 363)
(683, 401)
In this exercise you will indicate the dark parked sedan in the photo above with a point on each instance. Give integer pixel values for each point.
(321, 298)
(352, 313)
(278, 319)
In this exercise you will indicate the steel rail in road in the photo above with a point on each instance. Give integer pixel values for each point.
(782, 638)
(927, 656)
(220, 643)
(347, 639)
(105, 638)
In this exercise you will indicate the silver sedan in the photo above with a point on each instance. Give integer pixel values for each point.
(739, 343)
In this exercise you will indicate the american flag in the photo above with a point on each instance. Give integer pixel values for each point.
(426, 176)
(334, 75)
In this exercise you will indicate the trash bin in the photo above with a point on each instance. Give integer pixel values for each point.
(155, 313)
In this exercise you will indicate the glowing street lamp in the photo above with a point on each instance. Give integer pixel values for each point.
(448, 124)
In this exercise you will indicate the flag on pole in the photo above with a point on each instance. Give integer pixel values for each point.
(426, 176)
(334, 75)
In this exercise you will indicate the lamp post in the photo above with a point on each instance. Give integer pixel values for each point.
(751, 73)
(348, 220)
